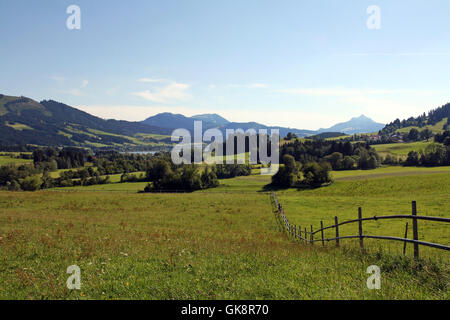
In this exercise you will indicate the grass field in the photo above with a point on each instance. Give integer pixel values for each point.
(437, 128)
(7, 160)
(381, 196)
(222, 243)
(18, 126)
(390, 171)
(401, 149)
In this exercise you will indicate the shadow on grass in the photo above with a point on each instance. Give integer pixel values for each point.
(272, 188)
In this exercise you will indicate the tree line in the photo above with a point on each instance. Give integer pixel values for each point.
(159, 170)
(339, 154)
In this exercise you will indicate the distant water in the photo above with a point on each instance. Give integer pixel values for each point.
(140, 152)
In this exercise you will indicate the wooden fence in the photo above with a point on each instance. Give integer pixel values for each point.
(309, 236)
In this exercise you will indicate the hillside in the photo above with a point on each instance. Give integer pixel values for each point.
(25, 121)
(437, 120)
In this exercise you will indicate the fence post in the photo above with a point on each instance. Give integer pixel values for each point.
(361, 239)
(312, 235)
(337, 230)
(300, 233)
(306, 236)
(295, 231)
(321, 231)
(406, 237)
(415, 230)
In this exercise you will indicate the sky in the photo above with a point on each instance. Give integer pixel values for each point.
(301, 64)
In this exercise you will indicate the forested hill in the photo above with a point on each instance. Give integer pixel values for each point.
(25, 121)
(434, 118)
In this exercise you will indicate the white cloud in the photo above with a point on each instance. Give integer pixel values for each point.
(75, 92)
(347, 92)
(57, 78)
(151, 80)
(394, 54)
(84, 83)
(250, 86)
(172, 92)
(258, 85)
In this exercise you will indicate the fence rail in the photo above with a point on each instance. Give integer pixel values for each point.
(308, 236)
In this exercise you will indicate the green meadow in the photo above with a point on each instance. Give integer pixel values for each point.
(8, 159)
(436, 128)
(401, 149)
(222, 243)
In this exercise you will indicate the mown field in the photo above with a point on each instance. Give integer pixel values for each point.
(401, 149)
(9, 160)
(222, 243)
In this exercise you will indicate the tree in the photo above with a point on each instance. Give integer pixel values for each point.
(290, 136)
(348, 163)
(31, 183)
(289, 163)
(209, 179)
(47, 181)
(447, 141)
(287, 175)
(316, 174)
(335, 159)
(426, 134)
(158, 170)
(413, 134)
(412, 159)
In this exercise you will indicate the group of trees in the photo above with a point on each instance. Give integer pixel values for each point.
(185, 178)
(416, 135)
(163, 175)
(160, 171)
(296, 174)
(340, 155)
(23, 177)
(443, 138)
(290, 136)
(227, 171)
(434, 155)
(30, 178)
(65, 158)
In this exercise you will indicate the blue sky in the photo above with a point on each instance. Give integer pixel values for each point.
(303, 64)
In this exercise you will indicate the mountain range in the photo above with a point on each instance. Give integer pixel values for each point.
(26, 121)
(173, 121)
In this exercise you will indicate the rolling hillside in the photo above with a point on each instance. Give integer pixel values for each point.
(437, 120)
(25, 121)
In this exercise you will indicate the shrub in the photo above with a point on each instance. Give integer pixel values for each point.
(31, 183)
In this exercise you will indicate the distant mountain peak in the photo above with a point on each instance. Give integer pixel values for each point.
(361, 124)
(212, 118)
(362, 117)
